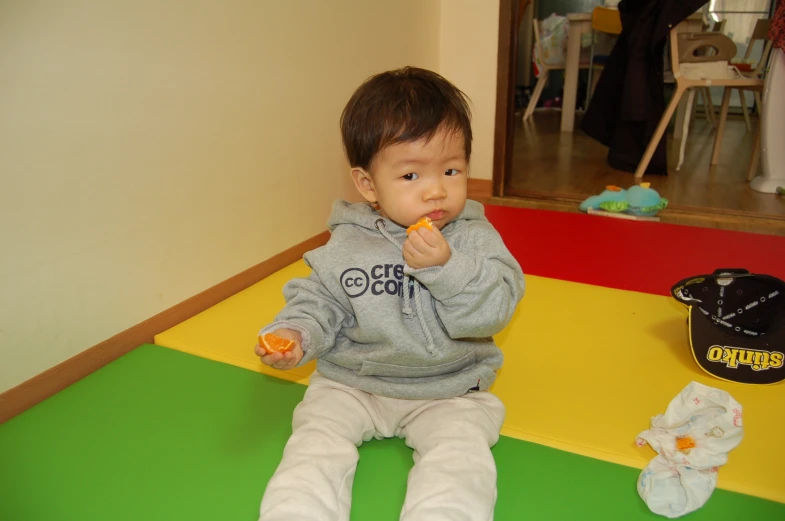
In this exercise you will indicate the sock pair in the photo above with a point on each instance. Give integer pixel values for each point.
(692, 440)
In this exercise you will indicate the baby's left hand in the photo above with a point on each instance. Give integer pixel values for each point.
(425, 248)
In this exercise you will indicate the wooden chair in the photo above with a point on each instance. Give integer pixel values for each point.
(693, 69)
(759, 34)
(546, 69)
(705, 93)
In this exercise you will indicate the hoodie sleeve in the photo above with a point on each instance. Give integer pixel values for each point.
(478, 289)
(312, 311)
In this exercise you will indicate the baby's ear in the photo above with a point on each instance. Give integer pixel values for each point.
(364, 184)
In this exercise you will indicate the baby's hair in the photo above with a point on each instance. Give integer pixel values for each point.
(400, 106)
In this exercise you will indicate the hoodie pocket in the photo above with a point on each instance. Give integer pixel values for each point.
(405, 371)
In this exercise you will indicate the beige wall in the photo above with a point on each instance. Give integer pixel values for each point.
(146, 147)
(469, 44)
(149, 150)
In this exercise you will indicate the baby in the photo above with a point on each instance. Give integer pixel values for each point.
(401, 324)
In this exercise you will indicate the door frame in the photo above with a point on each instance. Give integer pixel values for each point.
(507, 65)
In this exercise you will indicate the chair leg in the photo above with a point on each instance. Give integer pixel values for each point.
(753, 168)
(543, 79)
(758, 103)
(661, 128)
(681, 113)
(589, 90)
(692, 108)
(744, 110)
(686, 129)
(709, 107)
(721, 128)
(596, 79)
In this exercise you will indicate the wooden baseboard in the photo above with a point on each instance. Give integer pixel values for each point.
(35, 390)
(480, 189)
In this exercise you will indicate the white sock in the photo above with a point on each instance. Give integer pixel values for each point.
(672, 490)
(692, 439)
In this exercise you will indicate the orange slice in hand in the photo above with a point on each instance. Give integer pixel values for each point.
(424, 222)
(274, 344)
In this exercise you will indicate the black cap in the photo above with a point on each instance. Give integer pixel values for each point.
(736, 324)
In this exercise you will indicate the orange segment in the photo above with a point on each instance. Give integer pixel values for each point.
(425, 221)
(275, 344)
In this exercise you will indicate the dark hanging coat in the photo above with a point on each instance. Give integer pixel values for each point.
(629, 99)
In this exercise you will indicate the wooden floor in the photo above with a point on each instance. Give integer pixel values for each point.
(557, 170)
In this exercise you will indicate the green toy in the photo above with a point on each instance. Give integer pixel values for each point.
(637, 200)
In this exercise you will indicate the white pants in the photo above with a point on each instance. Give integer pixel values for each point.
(454, 473)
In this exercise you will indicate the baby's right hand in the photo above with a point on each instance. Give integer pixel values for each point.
(285, 360)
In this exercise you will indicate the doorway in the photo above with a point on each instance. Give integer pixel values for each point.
(538, 165)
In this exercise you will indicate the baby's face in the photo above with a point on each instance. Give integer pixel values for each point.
(422, 179)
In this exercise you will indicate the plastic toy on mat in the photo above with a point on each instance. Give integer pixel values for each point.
(636, 202)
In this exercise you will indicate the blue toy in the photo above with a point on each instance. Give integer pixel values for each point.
(637, 200)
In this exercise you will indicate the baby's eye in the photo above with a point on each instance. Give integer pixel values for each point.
(452, 171)
(411, 177)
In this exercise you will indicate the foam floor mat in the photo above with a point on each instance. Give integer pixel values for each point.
(585, 369)
(596, 347)
(160, 435)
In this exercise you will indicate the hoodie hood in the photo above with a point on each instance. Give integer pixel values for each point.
(364, 215)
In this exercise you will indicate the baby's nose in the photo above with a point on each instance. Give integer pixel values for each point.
(435, 190)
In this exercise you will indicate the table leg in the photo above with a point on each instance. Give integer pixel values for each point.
(571, 77)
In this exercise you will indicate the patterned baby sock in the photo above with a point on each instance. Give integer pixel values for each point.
(692, 440)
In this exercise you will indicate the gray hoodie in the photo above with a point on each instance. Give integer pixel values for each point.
(378, 325)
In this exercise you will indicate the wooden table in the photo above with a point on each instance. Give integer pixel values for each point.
(580, 23)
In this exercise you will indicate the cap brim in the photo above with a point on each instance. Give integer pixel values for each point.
(736, 358)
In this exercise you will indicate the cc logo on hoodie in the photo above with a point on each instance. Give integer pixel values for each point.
(355, 282)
